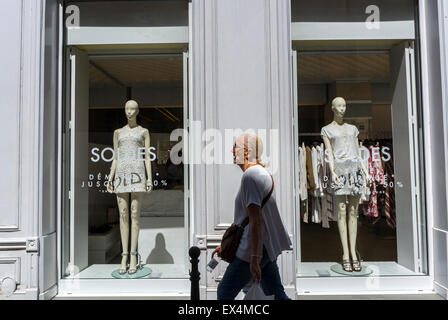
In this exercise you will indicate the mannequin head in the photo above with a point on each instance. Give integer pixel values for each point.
(338, 106)
(131, 110)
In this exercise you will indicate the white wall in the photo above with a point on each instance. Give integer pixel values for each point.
(434, 92)
(49, 140)
(133, 13)
(20, 32)
(241, 79)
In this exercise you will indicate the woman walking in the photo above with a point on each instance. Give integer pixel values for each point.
(264, 237)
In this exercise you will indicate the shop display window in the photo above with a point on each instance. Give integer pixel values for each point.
(358, 116)
(139, 227)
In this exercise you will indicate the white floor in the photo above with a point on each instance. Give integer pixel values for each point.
(384, 268)
(164, 271)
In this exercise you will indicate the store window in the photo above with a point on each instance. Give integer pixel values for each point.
(358, 142)
(125, 210)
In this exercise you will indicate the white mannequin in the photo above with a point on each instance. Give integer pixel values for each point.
(344, 203)
(130, 201)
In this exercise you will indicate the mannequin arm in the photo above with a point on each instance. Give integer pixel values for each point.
(148, 162)
(331, 160)
(113, 167)
(362, 163)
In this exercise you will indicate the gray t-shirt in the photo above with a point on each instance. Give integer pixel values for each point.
(255, 185)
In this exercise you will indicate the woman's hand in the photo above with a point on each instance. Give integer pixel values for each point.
(255, 268)
(217, 250)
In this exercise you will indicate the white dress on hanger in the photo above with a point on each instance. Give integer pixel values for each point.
(303, 193)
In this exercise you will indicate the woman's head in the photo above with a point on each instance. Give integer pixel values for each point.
(248, 148)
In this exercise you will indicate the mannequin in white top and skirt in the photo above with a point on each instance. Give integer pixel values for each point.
(349, 179)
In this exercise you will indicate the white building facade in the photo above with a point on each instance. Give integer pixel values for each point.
(202, 71)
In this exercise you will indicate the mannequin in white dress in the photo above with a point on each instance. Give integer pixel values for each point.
(349, 178)
(130, 176)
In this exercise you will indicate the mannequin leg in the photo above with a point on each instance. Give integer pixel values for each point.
(342, 224)
(353, 202)
(136, 203)
(123, 204)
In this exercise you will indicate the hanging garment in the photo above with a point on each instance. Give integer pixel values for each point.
(390, 194)
(365, 155)
(323, 196)
(303, 194)
(316, 210)
(317, 193)
(314, 193)
(304, 210)
(377, 176)
(327, 199)
(346, 163)
(309, 170)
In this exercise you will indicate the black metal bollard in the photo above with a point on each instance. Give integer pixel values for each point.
(195, 275)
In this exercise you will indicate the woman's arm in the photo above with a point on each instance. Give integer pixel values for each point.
(254, 214)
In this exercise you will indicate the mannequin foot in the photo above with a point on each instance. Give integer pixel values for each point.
(356, 263)
(346, 265)
(124, 260)
(133, 263)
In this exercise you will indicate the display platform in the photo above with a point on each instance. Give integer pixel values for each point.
(104, 271)
(382, 268)
(140, 273)
(365, 271)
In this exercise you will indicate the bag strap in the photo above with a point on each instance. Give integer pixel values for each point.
(246, 220)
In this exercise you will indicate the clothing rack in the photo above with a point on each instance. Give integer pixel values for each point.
(317, 202)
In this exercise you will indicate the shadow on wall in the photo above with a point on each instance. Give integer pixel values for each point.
(159, 255)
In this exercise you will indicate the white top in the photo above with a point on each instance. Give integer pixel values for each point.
(343, 140)
(303, 193)
(130, 175)
(255, 186)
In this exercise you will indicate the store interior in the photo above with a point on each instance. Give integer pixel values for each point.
(156, 82)
(364, 73)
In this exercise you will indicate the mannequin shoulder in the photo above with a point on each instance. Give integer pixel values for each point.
(352, 128)
(326, 130)
(145, 131)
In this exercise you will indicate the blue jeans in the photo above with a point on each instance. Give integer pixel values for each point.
(238, 275)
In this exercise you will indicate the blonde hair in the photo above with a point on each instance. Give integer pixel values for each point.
(254, 146)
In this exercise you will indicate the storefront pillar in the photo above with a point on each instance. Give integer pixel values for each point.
(21, 226)
(434, 42)
(241, 80)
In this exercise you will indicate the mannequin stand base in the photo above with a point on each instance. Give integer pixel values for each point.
(365, 271)
(142, 272)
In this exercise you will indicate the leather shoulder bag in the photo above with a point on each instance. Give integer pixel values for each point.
(232, 237)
